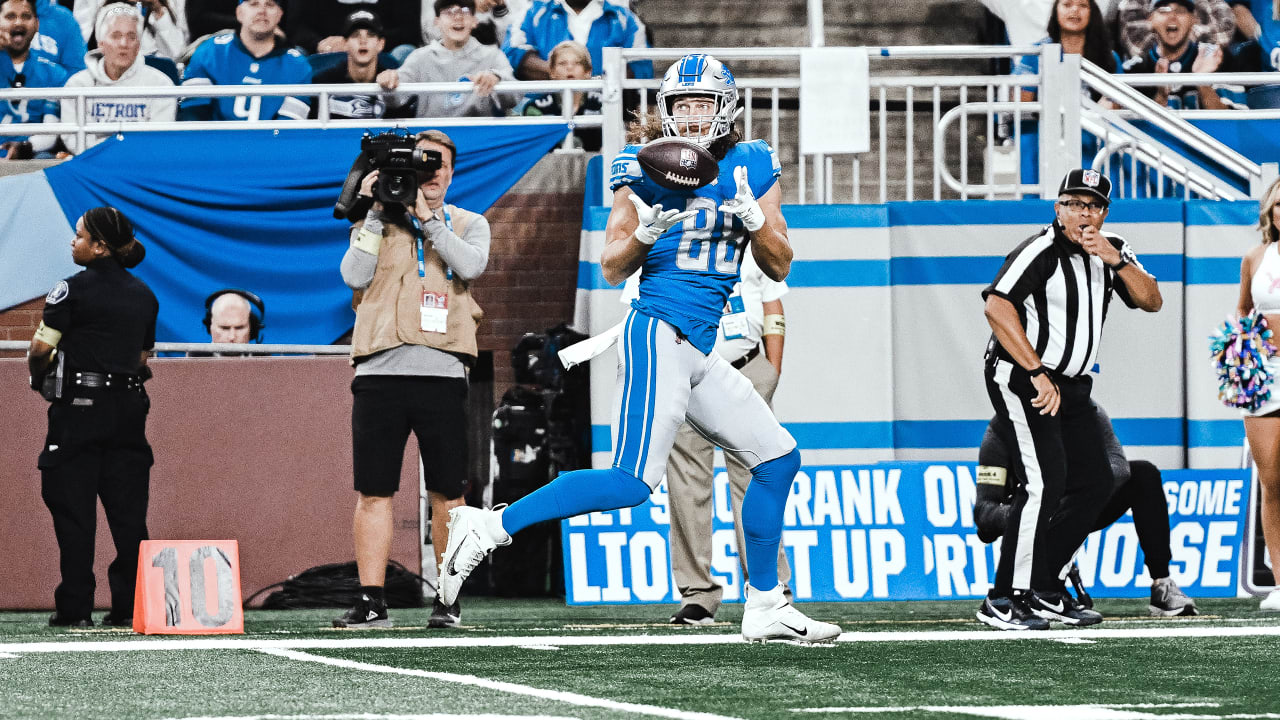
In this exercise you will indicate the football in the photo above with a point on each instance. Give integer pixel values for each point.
(678, 164)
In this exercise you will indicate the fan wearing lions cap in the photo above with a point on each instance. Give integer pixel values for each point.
(1046, 308)
(89, 360)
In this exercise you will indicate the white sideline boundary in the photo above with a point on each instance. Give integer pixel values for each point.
(363, 641)
(503, 686)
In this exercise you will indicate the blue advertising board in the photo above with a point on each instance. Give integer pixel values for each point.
(902, 531)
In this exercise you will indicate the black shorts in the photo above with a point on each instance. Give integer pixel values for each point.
(385, 408)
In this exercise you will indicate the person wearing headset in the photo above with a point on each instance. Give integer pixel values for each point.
(234, 316)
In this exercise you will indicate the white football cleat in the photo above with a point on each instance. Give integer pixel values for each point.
(1270, 603)
(768, 616)
(473, 534)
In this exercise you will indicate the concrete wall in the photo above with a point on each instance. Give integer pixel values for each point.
(252, 449)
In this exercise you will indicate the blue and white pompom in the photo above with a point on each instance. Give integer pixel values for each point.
(1240, 349)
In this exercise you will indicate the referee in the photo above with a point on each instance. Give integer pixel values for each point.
(1046, 309)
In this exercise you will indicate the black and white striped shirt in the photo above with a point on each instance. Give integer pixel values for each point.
(1061, 293)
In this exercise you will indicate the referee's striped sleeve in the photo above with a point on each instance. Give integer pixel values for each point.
(1024, 270)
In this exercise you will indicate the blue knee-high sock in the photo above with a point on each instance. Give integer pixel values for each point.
(575, 493)
(762, 509)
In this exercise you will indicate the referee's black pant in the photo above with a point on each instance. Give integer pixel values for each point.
(97, 447)
(1068, 476)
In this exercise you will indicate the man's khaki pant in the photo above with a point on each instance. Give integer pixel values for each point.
(689, 482)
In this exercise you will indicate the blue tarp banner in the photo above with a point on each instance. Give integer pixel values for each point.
(902, 531)
(253, 209)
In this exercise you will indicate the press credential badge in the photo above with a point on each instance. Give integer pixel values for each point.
(435, 312)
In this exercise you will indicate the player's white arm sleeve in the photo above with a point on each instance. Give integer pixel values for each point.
(467, 255)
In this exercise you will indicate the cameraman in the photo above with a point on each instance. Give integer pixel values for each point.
(414, 338)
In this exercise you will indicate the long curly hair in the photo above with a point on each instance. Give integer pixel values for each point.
(1097, 39)
(648, 126)
(1270, 198)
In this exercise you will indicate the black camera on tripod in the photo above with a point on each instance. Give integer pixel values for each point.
(401, 166)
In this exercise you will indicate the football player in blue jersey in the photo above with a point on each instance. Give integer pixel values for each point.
(255, 55)
(689, 245)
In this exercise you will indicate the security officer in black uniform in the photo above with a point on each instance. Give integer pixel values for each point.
(88, 358)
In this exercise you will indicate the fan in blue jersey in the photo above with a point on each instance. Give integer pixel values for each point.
(255, 55)
(22, 67)
(689, 246)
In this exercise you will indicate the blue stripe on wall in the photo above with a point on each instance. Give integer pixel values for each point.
(1031, 213)
(836, 216)
(1215, 433)
(929, 434)
(900, 271)
(1213, 271)
(839, 273)
(1208, 212)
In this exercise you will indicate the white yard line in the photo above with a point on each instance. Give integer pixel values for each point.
(501, 686)
(377, 716)
(1133, 711)
(359, 639)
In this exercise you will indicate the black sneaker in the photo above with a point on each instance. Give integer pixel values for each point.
(56, 620)
(1061, 607)
(113, 620)
(1005, 613)
(367, 613)
(692, 614)
(443, 616)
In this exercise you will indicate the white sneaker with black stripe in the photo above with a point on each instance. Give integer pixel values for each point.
(768, 616)
(473, 534)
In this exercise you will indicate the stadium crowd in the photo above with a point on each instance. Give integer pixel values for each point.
(162, 43)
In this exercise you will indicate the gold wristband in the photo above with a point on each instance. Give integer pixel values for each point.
(368, 241)
(48, 335)
(775, 325)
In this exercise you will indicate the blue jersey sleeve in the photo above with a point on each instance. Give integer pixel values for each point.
(626, 172)
(763, 167)
(199, 73)
(295, 71)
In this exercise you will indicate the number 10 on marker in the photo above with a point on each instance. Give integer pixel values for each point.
(188, 587)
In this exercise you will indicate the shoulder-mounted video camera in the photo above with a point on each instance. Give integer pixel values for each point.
(401, 166)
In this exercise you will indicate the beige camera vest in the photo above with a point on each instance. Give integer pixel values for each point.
(388, 311)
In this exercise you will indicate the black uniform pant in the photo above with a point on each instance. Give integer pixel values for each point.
(97, 447)
(1144, 494)
(1068, 476)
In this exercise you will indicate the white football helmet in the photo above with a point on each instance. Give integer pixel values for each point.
(701, 76)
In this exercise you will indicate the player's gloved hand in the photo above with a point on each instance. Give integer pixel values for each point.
(654, 220)
(744, 204)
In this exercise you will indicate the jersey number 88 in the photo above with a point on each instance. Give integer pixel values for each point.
(703, 236)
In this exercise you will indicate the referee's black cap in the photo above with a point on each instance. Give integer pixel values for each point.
(1089, 182)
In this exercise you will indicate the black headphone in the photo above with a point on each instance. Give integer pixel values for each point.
(257, 311)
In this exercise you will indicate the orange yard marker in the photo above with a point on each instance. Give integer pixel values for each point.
(188, 587)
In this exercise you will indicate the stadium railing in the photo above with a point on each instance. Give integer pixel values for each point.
(966, 158)
(950, 100)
